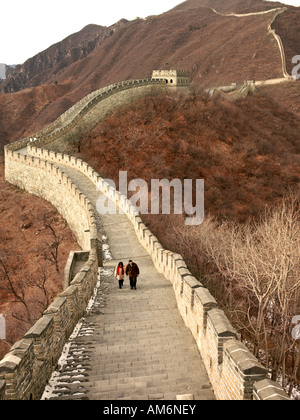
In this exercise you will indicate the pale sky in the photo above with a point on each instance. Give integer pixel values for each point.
(30, 26)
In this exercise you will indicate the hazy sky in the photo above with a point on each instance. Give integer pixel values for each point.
(30, 26)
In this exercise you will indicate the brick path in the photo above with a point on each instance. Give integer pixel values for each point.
(132, 344)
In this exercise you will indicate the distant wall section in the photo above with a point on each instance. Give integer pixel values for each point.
(92, 109)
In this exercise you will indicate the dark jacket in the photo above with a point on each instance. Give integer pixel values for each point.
(132, 270)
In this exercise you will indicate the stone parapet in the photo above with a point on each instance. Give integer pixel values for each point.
(109, 97)
(28, 366)
(26, 369)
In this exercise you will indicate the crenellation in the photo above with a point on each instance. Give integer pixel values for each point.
(71, 294)
(58, 310)
(142, 229)
(164, 260)
(184, 272)
(243, 367)
(148, 236)
(189, 287)
(154, 244)
(220, 327)
(268, 390)
(16, 370)
(158, 256)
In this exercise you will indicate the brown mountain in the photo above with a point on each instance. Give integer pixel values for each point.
(170, 31)
(44, 66)
(216, 50)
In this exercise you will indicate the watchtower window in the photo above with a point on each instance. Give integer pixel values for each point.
(167, 81)
(171, 81)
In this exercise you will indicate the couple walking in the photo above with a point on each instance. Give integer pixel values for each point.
(131, 270)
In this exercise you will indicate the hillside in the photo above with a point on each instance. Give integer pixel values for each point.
(286, 25)
(190, 37)
(25, 249)
(45, 65)
(245, 164)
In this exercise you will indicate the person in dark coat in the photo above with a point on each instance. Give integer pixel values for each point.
(132, 270)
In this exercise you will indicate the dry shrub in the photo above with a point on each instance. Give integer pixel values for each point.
(253, 271)
(247, 152)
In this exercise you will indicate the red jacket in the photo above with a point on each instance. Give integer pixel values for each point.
(118, 270)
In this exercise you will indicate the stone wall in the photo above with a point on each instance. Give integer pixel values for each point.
(43, 179)
(24, 371)
(92, 109)
(71, 268)
(234, 372)
(233, 93)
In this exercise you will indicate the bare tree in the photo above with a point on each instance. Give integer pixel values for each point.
(261, 261)
(285, 242)
(10, 286)
(41, 283)
(29, 294)
(51, 251)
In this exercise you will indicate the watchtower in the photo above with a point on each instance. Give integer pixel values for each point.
(174, 78)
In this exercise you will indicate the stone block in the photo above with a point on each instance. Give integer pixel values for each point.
(221, 324)
(192, 282)
(244, 359)
(205, 298)
(268, 390)
(9, 364)
(40, 328)
(185, 397)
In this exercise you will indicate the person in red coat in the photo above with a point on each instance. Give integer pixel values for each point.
(132, 270)
(119, 274)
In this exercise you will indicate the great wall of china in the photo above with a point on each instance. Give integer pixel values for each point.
(31, 165)
(38, 165)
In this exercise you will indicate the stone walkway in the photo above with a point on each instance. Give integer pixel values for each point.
(132, 344)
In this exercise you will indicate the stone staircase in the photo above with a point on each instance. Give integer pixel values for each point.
(132, 344)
